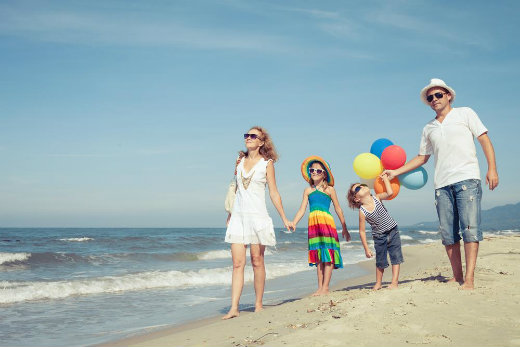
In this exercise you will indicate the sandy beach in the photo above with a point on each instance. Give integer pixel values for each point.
(422, 311)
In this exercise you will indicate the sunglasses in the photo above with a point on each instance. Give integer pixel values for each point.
(358, 188)
(438, 95)
(316, 171)
(252, 136)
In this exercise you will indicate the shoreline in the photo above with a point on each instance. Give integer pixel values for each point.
(423, 310)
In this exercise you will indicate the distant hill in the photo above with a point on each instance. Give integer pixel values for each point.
(496, 218)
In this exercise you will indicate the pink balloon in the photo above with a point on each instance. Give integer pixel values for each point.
(393, 157)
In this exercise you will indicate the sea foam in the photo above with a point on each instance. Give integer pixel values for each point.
(6, 258)
(14, 292)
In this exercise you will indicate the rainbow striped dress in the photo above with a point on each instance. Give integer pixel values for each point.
(323, 237)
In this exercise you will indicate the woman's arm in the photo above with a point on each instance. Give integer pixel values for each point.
(339, 212)
(275, 195)
(363, 235)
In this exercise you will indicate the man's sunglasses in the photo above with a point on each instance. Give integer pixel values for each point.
(252, 136)
(438, 95)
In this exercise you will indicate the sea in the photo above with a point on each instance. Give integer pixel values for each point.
(85, 286)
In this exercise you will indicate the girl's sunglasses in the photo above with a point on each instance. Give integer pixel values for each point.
(438, 95)
(358, 188)
(316, 171)
(252, 136)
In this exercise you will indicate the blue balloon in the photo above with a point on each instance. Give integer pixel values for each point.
(414, 179)
(379, 146)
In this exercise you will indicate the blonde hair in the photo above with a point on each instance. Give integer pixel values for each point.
(268, 151)
(324, 183)
(351, 196)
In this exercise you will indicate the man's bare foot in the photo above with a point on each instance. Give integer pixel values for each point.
(467, 286)
(377, 286)
(231, 314)
(454, 280)
(392, 286)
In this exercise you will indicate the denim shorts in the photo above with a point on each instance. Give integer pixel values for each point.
(458, 208)
(388, 243)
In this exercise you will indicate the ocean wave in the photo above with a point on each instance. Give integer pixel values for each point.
(218, 254)
(406, 237)
(223, 254)
(7, 258)
(15, 292)
(425, 232)
(77, 239)
(428, 241)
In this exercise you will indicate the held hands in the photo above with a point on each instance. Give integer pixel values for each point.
(390, 174)
(289, 225)
(385, 175)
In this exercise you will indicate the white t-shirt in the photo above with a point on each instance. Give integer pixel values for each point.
(452, 142)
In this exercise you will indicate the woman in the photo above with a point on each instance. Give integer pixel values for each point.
(249, 223)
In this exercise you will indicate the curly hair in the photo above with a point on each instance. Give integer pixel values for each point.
(351, 196)
(268, 151)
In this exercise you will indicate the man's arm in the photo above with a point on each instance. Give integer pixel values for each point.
(489, 152)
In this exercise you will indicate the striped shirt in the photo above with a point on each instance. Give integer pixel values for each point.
(379, 219)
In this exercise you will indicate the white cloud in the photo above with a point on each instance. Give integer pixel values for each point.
(125, 29)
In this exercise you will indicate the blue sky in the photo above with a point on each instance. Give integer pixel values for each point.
(131, 113)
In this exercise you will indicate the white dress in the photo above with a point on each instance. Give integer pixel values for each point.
(250, 223)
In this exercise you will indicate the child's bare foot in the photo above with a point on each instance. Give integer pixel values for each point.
(377, 286)
(392, 286)
(231, 314)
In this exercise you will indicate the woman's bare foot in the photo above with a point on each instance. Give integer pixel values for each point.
(377, 286)
(231, 314)
(392, 286)
(316, 293)
(259, 308)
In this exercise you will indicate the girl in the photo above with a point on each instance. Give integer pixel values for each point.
(324, 249)
(249, 223)
(384, 229)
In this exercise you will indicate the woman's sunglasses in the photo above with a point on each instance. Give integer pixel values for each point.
(358, 188)
(252, 136)
(438, 95)
(316, 171)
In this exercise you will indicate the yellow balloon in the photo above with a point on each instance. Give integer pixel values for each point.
(367, 166)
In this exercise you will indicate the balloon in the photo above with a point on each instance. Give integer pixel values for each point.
(379, 146)
(393, 157)
(369, 183)
(414, 179)
(367, 166)
(379, 187)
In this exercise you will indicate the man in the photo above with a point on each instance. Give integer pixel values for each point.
(450, 138)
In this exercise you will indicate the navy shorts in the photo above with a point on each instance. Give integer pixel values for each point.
(388, 244)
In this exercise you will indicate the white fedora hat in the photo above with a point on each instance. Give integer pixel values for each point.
(435, 82)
